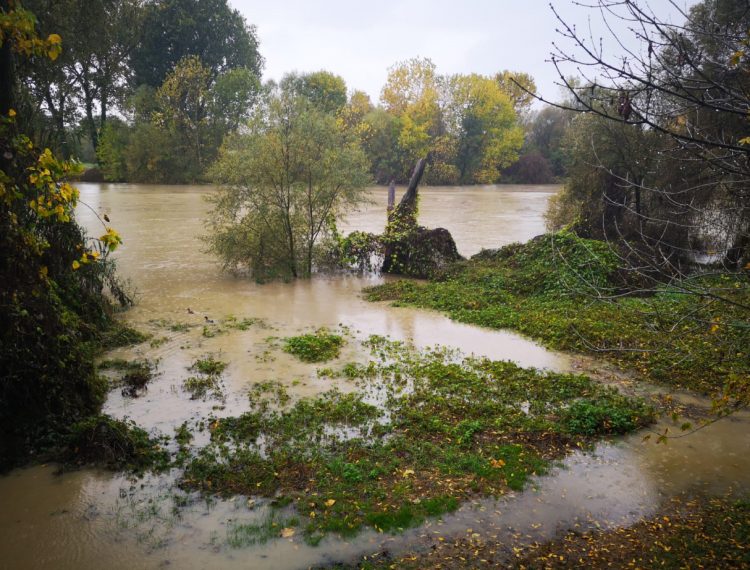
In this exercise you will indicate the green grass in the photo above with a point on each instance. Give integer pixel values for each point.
(207, 379)
(547, 289)
(441, 430)
(319, 346)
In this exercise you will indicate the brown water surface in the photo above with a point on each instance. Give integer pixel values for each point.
(92, 519)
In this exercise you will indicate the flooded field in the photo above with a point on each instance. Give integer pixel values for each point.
(93, 519)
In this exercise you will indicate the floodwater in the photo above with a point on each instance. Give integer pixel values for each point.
(92, 519)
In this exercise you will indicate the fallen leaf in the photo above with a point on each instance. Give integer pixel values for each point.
(330, 502)
(287, 532)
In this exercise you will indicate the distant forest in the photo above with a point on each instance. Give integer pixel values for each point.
(148, 91)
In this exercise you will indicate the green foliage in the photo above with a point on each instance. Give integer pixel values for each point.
(209, 365)
(324, 90)
(609, 415)
(171, 30)
(115, 444)
(207, 380)
(550, 289)
(286, 180)
(317, 347)
(445, 428)
(53, 296)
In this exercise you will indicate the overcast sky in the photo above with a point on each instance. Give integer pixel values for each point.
(361, 40)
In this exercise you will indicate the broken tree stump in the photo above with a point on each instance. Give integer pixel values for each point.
(410, 249)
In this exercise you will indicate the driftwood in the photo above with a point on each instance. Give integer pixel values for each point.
(410, 249)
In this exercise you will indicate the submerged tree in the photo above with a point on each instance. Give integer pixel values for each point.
(285, 181)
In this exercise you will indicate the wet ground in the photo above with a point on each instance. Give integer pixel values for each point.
(91, 519)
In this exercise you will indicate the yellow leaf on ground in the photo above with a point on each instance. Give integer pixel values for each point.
(287, 532)
(330, 502)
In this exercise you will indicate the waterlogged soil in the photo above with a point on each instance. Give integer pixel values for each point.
(194, 314)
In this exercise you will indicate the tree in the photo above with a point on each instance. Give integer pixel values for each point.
(659, 167)
(285, 182)
(484, 122)
(93, 67)
(519, 87)
(174, 29)
(323, 89)
(52, 277)
(688, 84)
(177, 129)
(411, 93)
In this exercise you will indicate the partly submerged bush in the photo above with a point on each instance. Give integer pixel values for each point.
(116, 444)
(317, 347)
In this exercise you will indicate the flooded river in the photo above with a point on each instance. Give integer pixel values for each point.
(92, 519)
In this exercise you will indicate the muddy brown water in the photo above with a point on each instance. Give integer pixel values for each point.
(93, 519)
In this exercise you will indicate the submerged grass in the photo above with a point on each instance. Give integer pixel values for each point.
(319, 346)
(115, 444)
(423, 432)
(549, 289)
(207, 379)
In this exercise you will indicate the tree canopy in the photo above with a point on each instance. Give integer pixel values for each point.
(284, 181)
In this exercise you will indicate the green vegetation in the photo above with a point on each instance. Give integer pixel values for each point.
(115, 444)
(550, 290)
(422, 433)
(208, 378)
(319, 346)
(136, 374)
(54, 280)
(273, 229)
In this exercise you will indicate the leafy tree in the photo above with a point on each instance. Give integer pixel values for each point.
(519, 87)
(91, 72)
(323, 89)
(174, 29)
(52, 278)
(484, 122)
(184, 105)
(286, 180)
(178, 128)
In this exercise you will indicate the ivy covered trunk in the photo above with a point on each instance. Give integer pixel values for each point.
(410, 249)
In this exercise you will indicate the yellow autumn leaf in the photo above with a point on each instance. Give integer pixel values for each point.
(11, 112)
(330, 502)
(744, 141)
(76, 265)
(408, 472)
(497, 463)
(287, 532)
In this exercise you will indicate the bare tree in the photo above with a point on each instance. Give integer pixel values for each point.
(666, 118)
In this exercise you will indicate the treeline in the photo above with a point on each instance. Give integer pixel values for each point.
(149, 90)
(149, 87)
(475, 129)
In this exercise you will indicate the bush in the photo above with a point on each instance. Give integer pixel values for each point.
(115, 444)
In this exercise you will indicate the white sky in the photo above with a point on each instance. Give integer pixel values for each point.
(361, 40)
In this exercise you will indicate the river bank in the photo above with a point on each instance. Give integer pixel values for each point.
(195, 314)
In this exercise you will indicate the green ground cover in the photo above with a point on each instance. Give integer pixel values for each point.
(422, 432)
(551, 289)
